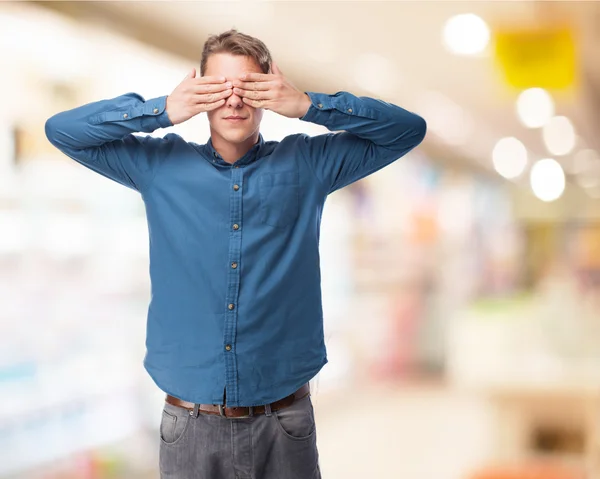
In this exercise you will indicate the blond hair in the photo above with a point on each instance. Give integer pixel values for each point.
(236, 43)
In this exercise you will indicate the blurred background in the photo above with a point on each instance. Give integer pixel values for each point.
(461, 283)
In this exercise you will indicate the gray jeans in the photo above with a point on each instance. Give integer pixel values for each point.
(282, 445)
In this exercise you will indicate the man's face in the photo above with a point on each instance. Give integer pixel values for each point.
(231, 130)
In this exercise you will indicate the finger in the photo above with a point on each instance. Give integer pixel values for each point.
(255, 94)
(253, 85)
(212, 97)
(211, 88)
(256, 77)
(209, 79)
(191, 74)
(275, 69)
(202, 107)
(255, 103)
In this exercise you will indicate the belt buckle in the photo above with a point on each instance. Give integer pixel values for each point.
(245, 416)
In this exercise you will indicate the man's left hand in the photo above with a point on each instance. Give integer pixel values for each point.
(272, 92)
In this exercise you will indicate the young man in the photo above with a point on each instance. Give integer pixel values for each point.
(235, 324)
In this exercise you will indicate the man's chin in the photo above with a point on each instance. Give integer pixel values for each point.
(236, 137)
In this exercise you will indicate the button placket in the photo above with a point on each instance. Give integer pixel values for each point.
(233, 282)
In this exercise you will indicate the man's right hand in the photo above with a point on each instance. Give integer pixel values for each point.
(196, 95)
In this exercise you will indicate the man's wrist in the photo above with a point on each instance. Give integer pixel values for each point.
(306, 103)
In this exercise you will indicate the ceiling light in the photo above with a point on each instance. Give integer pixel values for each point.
(547, 179)
(466, 34)
(559, 135)
(509, 157)
(535, 107)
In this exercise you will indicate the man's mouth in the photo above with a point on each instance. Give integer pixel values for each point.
(235, 118)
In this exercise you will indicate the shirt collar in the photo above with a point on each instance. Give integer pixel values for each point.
(249, 157)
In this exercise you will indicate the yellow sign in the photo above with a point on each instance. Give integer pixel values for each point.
(543, 58)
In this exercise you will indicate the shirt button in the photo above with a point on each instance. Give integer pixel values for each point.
(234, 265)
(125, 115)
(155, 110)
(231, 306)
(236, 227)
(349, 110)
(236, 187)
(320, 105)
(216, 155)
(228, 347)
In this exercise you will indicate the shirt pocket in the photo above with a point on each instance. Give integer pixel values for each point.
(279, 198)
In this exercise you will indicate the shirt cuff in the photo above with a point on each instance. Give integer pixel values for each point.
(157, 107)
(318, 102)
(341, 102)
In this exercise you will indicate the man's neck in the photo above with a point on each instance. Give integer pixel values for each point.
(232, 152)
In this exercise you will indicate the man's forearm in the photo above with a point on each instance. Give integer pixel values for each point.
(96, 123)
(373, 134)
(382, 123)
(100, 136)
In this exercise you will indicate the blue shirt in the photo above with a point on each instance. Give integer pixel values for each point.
(234, 249)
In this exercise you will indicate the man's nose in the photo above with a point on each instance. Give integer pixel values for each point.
(235, 101)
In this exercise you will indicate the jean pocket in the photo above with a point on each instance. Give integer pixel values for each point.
(297, 421)
(279, 198)
(173, 426)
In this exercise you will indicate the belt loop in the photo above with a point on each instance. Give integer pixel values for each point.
(196, 411)
(268, 410)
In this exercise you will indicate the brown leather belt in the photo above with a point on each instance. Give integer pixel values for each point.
(242, 411)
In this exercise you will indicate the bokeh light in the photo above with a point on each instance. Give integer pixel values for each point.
(547, 179)
(559, 135)
(509, 157)
(466, 34)
(535, 107)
